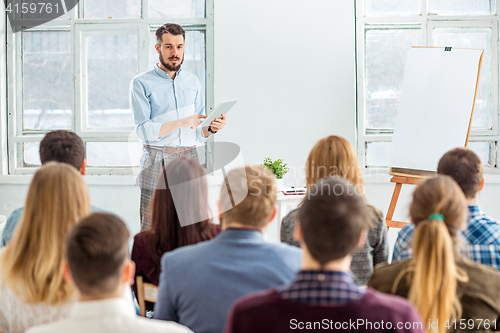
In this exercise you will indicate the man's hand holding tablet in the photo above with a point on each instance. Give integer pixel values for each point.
(218, 123)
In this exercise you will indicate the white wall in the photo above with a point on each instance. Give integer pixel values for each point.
(291, 64)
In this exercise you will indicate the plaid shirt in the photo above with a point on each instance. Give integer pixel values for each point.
(322, 288)
(482, 237)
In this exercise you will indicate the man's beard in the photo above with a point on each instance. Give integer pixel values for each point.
(170, 67)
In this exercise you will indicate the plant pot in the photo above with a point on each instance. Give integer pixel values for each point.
(279, 185)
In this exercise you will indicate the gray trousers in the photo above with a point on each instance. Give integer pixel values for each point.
(152, 162)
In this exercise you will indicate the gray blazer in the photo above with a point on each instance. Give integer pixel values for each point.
(199, 283)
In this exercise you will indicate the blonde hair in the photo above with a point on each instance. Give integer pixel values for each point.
(248, 196)
(434, 274)
(335, 156)
(57, 199)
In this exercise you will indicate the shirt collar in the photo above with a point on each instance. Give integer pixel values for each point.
(323, 276)
(164, 74)
(232, 233)
(474, 210)
(103, 308)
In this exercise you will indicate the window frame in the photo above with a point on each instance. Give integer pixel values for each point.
(426, 22)
(11, 160)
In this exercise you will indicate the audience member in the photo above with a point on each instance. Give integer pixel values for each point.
(56, 146)
(444, 286)
(32, 288)
(98, 265)
(165, 232)
(332, 156)
(333, 222)
(199, 283)
(482, 233)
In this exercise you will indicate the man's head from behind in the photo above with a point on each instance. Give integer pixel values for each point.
(97, 255)
(65, 147)
(465, 167)
(332, 219)
(248, 197)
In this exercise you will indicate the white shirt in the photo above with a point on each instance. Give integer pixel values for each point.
(17, 316)
(108, 316)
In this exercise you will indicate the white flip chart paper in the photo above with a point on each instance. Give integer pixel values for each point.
(435, 106)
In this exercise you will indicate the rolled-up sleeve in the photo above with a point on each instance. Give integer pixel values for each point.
(146, 129)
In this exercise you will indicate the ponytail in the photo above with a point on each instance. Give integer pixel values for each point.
(434, 285)
(438, 211)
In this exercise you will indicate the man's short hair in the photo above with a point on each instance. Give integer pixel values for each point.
(258, 205)
(465, 167)
(62, 146)
(169, 28)
(97, 250)
(332, 218)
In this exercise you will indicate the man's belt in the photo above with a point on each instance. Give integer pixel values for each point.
(170, 150)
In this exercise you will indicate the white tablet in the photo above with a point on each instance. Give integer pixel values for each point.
(222, 108)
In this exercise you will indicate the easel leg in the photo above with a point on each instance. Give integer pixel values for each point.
(394, 200)
(392, 206)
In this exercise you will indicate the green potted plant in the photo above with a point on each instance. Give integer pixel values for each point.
(278, 168)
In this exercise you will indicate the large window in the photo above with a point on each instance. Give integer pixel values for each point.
(386, 30)
(74, 73)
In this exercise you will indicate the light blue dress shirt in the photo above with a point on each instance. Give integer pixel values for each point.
(156, 99)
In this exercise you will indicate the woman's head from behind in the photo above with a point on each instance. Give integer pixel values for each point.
(440, 195)
(180, 212)
(181, 193)
(439, 212)
(57, 199)
(333, 156)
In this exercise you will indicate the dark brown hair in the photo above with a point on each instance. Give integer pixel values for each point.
(62, 146)
(165, 231)
(249, 196)
(169, 28)
(465, 167)
(97, 250)
(332, 217)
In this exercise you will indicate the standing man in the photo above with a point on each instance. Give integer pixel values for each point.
(167, 104)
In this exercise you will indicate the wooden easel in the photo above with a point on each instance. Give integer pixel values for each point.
(399, 180)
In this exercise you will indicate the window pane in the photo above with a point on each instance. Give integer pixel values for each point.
(194, 54)
(485, 151)
(31, 154)
(112, 9)
(392, 7)
(474, 39)
(112, 63)
(377, 154)
(176, 8)
(46, 80)
(386, 53)
(113, 153)
(462, 7)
